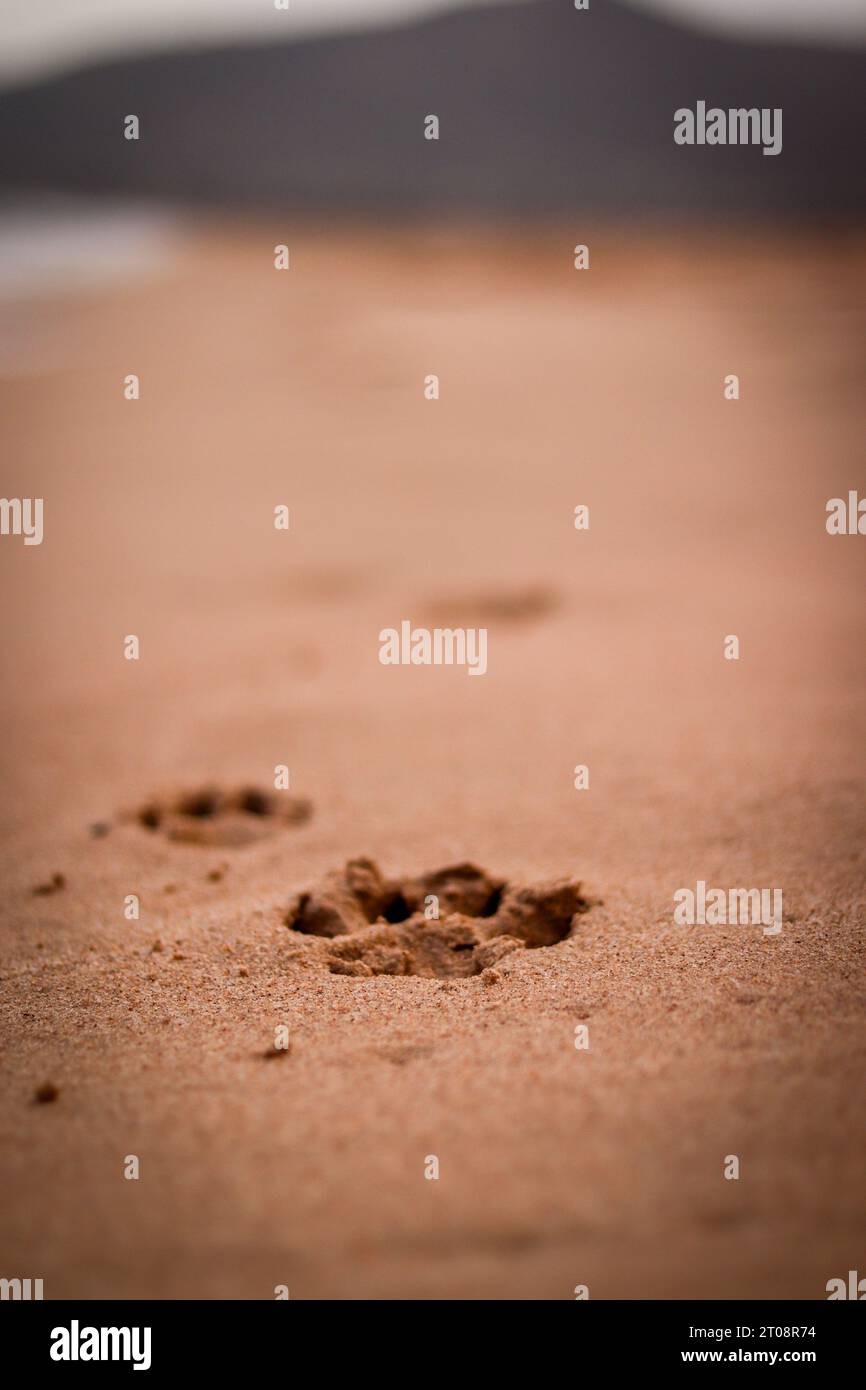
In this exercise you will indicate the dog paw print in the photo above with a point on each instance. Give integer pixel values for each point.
(450, 924)
(213, 817)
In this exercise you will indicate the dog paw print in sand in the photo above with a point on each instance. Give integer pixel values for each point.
(213, 817)
(372, 925)
(504, 608)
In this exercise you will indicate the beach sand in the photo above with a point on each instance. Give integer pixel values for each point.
(559, 1166)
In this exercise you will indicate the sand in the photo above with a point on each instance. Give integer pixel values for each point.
(558, 1165)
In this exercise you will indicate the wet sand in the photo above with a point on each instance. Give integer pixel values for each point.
(557, 1166)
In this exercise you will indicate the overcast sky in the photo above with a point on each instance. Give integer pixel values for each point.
(40, 34)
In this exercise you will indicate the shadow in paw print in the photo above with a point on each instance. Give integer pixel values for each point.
(451, 923)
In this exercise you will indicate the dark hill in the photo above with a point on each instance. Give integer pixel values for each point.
(542, 108)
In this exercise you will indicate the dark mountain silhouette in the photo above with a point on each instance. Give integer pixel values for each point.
(542, 108)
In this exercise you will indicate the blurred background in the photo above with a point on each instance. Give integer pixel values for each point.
(318, 109)
(543, 108)
(261, 127)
